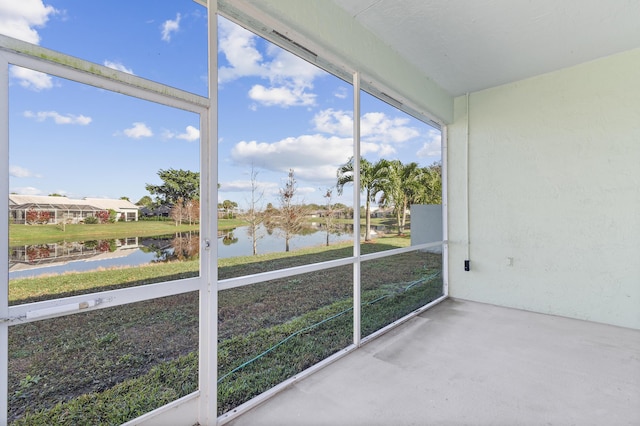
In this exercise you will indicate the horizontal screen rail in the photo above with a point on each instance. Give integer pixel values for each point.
(30, 312)
(380, 254)
(27, 55)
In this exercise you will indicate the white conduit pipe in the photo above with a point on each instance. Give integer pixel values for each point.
(468, 228)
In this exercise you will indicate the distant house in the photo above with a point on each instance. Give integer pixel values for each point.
(160, 211)
(57, 209)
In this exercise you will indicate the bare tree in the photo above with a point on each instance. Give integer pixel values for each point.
(254, 215)
(178, 212)
(291, 215)
(192, 211)
(329, 213)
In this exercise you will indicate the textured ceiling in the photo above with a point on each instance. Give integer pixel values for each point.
(470, 45)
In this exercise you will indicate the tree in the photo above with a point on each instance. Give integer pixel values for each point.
(329, 213)
(431, 185)
(178, 211)
(145, 201)
(192, 211)
(406, 184)
(180, 184)
(291, 216)
(125, 198)
(228, 206)
(188, 211)
(254, 215)
(391, 186)
(370, 184)
(402, 186)
(270, 215)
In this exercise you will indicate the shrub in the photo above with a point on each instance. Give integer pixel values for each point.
(91, 220)
(31, 216)
(113, 216)
(103, 216)
(39, 217)
(43, 217)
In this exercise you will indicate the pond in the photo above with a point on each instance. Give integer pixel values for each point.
(80, 256)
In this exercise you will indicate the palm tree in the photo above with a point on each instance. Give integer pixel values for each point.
(393, 187)
(228, 207)
(407, 184)
(430, 184)
(370, 183)
(412, 187)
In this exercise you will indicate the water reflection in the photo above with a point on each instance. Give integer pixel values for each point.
(179, 247)
(229, 238)
(79, 256)
(39, 255)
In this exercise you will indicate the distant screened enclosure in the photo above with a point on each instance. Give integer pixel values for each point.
(112, 152)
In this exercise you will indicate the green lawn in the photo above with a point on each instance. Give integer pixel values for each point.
(112, 365)
(39, 234)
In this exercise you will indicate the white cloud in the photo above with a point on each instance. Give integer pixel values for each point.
(432, 147)
(341, 93)
(290, 78)
(139, 130)
(169, 27)
(27, 190)
(334, 122)
(59, 118)
(191, 134)
(381, 150)
(21, 172)
(30, 79)
(245, 186)
(20, 18)
(168, 134)
(305, 190)
(325, 173)
(239, 48)
(287, 66)
(310, 156)
(281, 96)
(376, 126)
(118, 66)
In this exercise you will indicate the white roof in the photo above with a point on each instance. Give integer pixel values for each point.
(101, 203)
(108, 203)
(41, 199)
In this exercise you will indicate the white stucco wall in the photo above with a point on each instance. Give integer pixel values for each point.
(554, 171)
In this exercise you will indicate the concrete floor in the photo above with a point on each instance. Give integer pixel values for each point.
(467, 363)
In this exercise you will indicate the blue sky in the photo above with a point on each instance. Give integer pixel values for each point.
(276, 111)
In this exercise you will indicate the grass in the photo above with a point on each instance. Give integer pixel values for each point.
(61, 359)
(27, 290)
(164, 383)
(111, 365)
(312, 318)
(38, 234)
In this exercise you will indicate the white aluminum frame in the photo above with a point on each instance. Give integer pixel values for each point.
(22, 54)
(205, 399)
